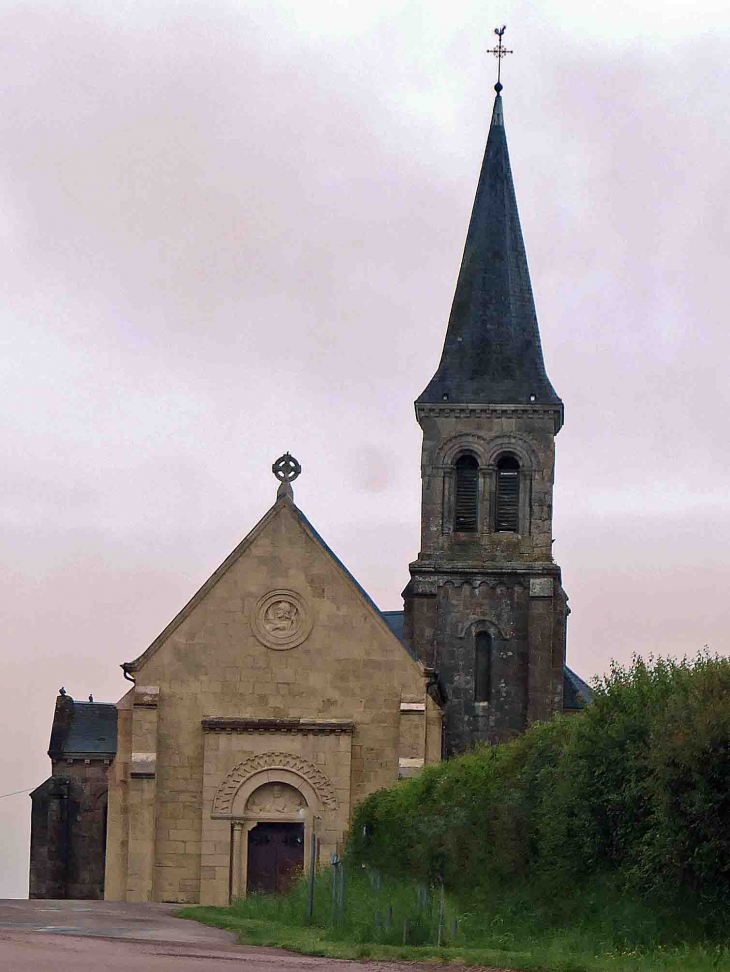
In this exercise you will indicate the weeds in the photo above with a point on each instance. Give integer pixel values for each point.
(502, 935)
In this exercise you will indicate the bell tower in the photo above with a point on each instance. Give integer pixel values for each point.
(485, 606)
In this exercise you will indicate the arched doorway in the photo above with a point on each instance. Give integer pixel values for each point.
(272, 818)
(275, 846)
(277, 804)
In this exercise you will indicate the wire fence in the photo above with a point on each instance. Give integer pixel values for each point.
(364, 905)
(16, 792)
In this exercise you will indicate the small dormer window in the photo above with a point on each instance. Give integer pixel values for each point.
(507, 506)
(467, 495)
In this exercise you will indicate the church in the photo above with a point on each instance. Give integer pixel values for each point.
(280, 696)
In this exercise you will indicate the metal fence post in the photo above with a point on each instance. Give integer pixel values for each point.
(312, 860)
(342, 891)
(334, 860)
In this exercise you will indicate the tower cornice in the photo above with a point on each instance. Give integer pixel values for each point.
(476, 410)
(446, 569)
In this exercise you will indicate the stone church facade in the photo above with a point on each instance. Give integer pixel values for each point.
(280, 696)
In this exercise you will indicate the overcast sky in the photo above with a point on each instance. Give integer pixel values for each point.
(233, 228)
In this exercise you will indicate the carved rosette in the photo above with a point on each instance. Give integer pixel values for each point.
(282, 620)
(226, 793)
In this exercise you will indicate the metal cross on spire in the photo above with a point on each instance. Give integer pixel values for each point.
(499, 52)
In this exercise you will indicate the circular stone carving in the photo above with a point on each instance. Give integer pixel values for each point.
(282, 620)
(286, 468)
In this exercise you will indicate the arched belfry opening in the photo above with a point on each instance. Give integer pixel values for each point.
(507, 500)
(466, 507)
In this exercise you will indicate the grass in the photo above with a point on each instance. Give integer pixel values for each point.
(478, 937)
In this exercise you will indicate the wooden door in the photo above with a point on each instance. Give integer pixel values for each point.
(275, 856)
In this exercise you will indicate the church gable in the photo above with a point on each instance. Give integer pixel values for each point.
(281, 603)
(267, 709)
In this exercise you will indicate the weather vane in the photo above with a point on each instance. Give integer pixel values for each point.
(499, 52)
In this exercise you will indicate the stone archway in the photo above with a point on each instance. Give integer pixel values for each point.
(279, 794)
(239, 783)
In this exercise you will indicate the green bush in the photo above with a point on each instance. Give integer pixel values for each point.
(624, 806)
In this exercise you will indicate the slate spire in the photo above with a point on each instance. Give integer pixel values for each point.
(492, 352)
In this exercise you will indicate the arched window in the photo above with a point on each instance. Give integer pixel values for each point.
(467, 495)
(507, 505)
(482, 667)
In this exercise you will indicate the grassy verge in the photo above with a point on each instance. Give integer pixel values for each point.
(373, 928)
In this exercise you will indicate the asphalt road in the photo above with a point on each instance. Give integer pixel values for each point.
(101, 936)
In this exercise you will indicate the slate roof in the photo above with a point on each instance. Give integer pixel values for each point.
(576, 693)
(92, 731)
(394, 620)
(492, 352)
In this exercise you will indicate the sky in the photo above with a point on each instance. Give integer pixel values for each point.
(233, 229)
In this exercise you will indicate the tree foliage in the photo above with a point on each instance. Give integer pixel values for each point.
(633, 792)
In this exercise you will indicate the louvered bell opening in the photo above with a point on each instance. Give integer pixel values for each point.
(467, 495)
(507, 518)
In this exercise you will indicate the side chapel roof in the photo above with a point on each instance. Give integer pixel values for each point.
(578, 694)
(83, 729)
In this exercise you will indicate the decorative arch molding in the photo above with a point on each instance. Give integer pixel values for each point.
(477, 625)
(500, 580)
(465, 443)
(273, 767)
(487, 449)
(517, 445)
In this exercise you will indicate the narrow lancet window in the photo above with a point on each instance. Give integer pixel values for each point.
(482, 667)
(467, 495)
(507, 506)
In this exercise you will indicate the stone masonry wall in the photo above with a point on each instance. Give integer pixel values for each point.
(486, 434)
(212, 664)
(68, 831)
(503, 584)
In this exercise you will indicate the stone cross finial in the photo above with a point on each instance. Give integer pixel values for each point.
(286, 469)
